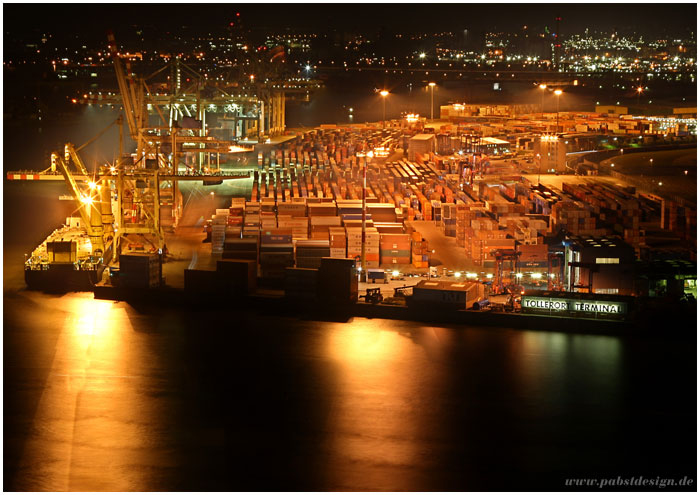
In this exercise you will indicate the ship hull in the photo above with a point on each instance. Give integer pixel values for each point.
(63, 278)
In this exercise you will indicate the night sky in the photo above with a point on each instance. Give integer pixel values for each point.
(91, 19)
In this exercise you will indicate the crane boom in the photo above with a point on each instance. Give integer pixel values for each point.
(77, 193)
(71, 152)
(127, 99)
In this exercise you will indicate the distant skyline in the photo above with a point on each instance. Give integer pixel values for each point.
(94, 19)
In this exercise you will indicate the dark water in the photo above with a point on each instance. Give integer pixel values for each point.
(109, 396)
(358, 92)
(105, 396)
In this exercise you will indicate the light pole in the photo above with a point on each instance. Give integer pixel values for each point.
(639, 93)
(384, 94)
(432, 90)
(542, 87)
(558, 92)
(363, 257)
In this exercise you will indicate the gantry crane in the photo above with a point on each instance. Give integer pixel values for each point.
(94, 203)
(502, 255)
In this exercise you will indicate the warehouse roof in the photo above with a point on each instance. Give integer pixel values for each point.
(493, 140)
(444, 285)
(422, 137)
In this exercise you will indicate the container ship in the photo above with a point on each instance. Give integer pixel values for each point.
(65, 260)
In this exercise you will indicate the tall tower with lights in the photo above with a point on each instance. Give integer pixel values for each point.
(557, 44)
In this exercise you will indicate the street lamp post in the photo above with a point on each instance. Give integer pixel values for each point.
(384, 94)
(432, 90)
(363, 257)
(542, 87)
(558, 92)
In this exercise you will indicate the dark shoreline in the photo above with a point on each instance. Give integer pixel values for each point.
(275, 303)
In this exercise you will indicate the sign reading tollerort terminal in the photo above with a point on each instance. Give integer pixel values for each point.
(606, 307)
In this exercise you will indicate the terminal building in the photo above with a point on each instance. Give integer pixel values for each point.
(602, 265)
(551, 153)
(421, 145)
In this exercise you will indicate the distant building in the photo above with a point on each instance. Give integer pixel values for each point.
(611, 109)
(671, 277)
(551, 153)
(604, 265)
(686, 112)
(493, 146)
(458, 111)
(421, 144)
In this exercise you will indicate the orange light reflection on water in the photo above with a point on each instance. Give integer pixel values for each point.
(89, 429)
(379, 410)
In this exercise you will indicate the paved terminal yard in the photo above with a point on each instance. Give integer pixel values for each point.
(445, 255)
(186, 248)
(328, 165)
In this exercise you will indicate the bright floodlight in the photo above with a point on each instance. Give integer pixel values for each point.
(431, 84)
(86, 199)
(395, 273)
(384, 92)
(308, 67)
(558, 92)
(422, 55)
(92, 185)
(543, 86)
(458, 274)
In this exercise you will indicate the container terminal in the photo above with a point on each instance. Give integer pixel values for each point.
(491, 212)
